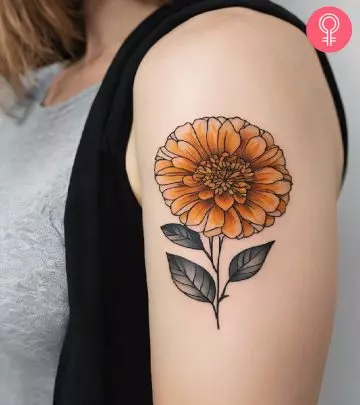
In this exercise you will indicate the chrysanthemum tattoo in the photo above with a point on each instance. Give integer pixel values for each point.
(223, 178)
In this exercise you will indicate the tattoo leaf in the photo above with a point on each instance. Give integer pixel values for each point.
(247, 263)
(183, 236)
(191, 279)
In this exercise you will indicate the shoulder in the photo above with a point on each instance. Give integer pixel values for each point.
(237, 62)
(231, 35)
(238, 50)
(235, 50)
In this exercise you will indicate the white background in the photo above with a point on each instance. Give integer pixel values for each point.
(342, 378)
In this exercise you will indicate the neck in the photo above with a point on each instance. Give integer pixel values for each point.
(109, 22)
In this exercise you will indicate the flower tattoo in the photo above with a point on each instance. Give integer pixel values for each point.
(223, 178)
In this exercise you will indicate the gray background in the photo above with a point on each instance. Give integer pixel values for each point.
(342, 379)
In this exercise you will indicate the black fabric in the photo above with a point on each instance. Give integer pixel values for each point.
(105, 358)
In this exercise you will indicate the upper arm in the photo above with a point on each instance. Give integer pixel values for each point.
(270, 175)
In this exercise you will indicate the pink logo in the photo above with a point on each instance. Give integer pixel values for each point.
(329, 29)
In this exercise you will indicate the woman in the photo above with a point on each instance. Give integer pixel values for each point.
(222, 111)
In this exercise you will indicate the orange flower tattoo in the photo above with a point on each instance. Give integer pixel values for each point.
(222, 178)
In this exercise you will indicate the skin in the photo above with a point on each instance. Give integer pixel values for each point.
(107, 26)
(275, 331)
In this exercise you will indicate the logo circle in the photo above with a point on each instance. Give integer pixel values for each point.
(329, 29)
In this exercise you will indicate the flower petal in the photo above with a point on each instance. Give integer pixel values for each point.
(162, 164)
(183, 217)
(229, 139)
(172, 171)
(267, 175)
(212, 233)
(267, 201)
(279, 187)
(282, 169)
(200, 227)
(269, 221)
(212, 134)
(168, 179)
(232, 226)
(214, 222)
(285, 198)
(163, 153)
(246, 134)
(200, 128)
(241, 190)
(275, 214)
(176, 192)
(165, 187)
(183, 163)
(249, 132)
(232, 142)
(206, 194)
(271, 157)
(248, 229)
(182, 202)
(198, 211)
(255, 148)
(267, 156)
(251, 212)
(268, 138)
(282, 207)
(191, 150)
(187, 133)
(190, 181)
(238, 123)
(183, 149)
(258, 228)
(224, 201)
(239, 198)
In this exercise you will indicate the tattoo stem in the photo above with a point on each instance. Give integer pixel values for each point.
(215, 312)
(223, 296)
(220, 241)
(217, 299)
(216, 268)
(211, 246)
(210, 256)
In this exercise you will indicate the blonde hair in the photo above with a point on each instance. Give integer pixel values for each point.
(34, 33)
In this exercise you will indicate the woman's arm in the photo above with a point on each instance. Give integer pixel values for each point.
(265, 192)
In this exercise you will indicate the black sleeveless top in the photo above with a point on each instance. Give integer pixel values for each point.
(105, 357)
